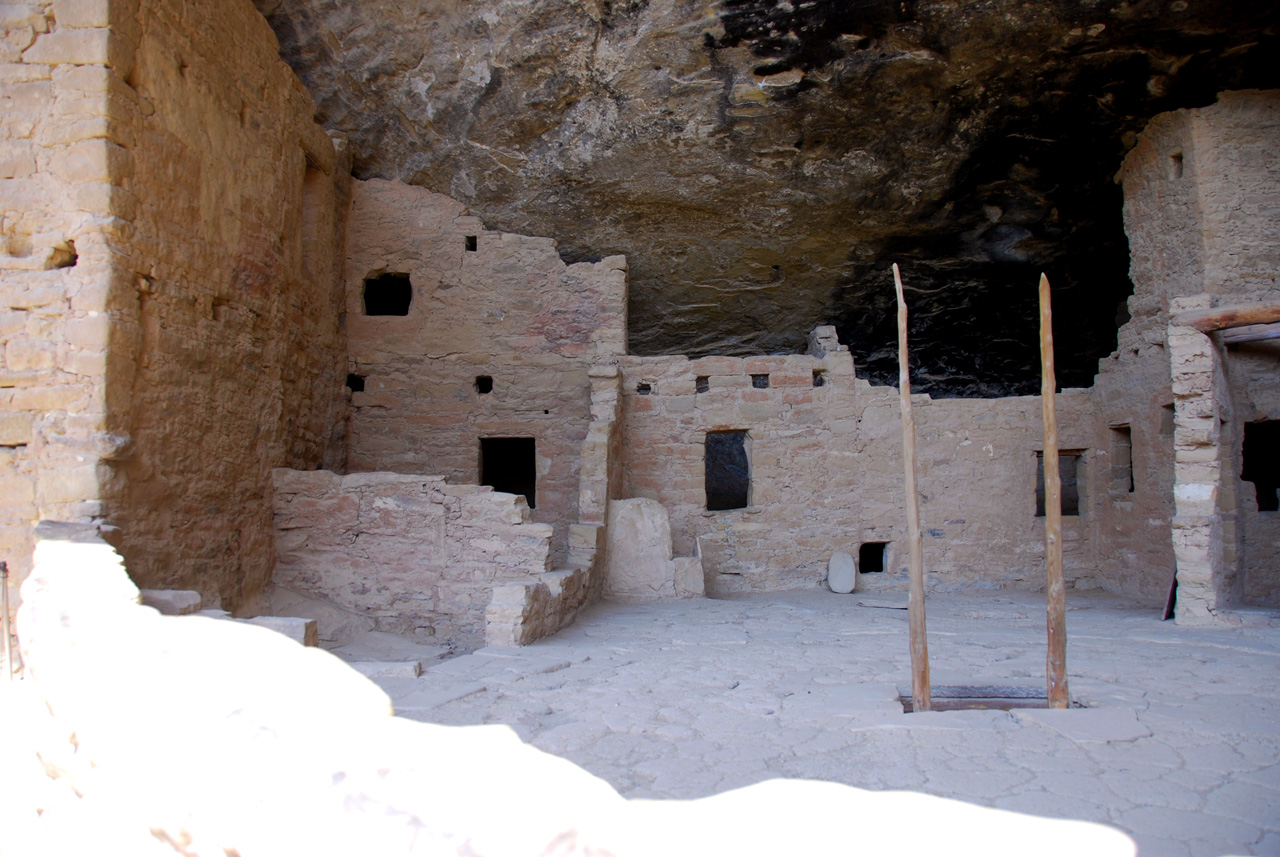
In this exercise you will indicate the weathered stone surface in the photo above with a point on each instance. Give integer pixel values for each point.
(842, 574)
(300, 630)
(637, 560)
(761, 165)
(172, 602)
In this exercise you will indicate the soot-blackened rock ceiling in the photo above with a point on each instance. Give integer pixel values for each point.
(762, 162)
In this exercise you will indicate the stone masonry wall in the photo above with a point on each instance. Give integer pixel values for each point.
(826, 473)
(1200, 197)
(58, 184)
(509, 310)
(415, 554)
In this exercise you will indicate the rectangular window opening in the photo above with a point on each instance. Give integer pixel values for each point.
(387, 294)
(355, 383)
(644, 388)
(727, 471)
(702, 384)
(1121, 460)
(871, 557)
(509, 464)
(471, 244)
(760, 382)
(1068, 467)
(1260, 458)
(819, 378)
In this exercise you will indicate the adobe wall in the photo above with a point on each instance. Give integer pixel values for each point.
(418, 556)
(229, 322)
(510, 310)
(171, 300)
(1200, 196)
(826, 474)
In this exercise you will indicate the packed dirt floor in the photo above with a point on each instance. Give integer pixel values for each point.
(1178, 742)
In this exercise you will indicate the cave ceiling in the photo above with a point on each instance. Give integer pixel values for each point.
(762, 162)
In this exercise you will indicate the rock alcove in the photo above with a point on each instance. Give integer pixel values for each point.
(761, 163)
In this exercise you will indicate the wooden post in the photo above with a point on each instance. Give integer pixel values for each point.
(1056, 662)
(921, 699)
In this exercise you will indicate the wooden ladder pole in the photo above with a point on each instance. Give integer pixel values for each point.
(1056, 661)
(921, 699)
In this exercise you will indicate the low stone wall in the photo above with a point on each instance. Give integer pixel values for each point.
(418, 556)
(195, 736)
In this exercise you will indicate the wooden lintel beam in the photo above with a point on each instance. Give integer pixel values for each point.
(1223, 318)
(1252, 333)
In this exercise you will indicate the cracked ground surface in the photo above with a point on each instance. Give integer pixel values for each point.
(1178, 745)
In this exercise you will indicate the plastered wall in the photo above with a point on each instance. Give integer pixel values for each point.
(826, 473)
(509, 310)
(169, 278)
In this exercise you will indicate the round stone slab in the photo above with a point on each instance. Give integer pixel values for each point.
(842, 575)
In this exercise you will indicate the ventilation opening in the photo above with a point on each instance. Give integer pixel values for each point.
(471, 243)
(871, 556)
(509, 464)
(1121, 460)
(728, 471)
(644, 388)
(819, 378)
(355, 383)
(484, 384)
(1261, 460)
(1068, 466)
(388, 294)
(702, 384)
(760, 382)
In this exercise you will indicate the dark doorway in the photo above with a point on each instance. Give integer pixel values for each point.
(1260, 456)
(509, 465)
(388, 294)
(871, 557)
(728, 471)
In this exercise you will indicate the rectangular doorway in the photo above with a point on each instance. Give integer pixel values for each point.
(509, 464)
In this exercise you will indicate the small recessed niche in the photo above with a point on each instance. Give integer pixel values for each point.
(871, 557)
(1175, 165)
(760, 382)
(355, 383)
(1121, 459)
(701, 384)
(387, 294)
(470, 243)
(1167, 421)
(644, 388)
(819, 378)
(484, 384)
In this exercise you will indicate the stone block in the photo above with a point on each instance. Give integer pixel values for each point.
(76, 47)
(842, 573)
(82, 13)
(172, 602)
(299, 630)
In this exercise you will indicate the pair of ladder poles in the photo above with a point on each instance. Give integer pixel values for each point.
(1056, 661)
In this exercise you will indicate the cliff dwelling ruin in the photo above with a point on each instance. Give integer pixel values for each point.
(424, 332)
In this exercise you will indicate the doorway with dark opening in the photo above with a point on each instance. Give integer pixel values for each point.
(1260, 456)
(509, 464)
